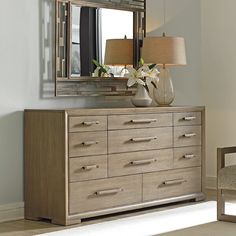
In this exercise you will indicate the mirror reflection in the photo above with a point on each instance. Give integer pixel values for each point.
(92, 28)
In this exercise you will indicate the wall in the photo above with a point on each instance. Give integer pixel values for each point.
(183, 18)
(26, 73)
(219, 75)
(26, 77)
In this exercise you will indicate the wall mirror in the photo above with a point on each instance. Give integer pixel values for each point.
(82, 30)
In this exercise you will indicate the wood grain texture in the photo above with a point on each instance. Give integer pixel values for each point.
(182, 140)
(121, 164)
(154, 187)
(187, 118)
(87, 168)
(79, 143)
(45, 164)
(54, 158)
(139, 121)
(83, 197)
(121, 140)
(187, 157)
(87, 123)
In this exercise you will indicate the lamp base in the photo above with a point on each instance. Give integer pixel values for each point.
(164, 93)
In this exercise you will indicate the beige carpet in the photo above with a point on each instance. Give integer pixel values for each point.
(210, 229)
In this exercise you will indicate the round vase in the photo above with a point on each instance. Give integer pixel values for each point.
(164, 93)
(141, 98)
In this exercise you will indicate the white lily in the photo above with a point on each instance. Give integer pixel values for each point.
(152, 76)
(135, 76)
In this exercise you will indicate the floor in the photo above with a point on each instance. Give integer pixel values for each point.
(25, 227)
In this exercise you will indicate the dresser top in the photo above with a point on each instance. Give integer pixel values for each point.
(120, 111)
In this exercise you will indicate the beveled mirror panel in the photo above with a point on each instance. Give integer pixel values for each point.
(82, 29)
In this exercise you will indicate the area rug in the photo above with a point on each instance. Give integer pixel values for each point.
(177, 221)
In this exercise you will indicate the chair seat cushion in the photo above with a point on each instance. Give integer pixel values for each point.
(227, 178)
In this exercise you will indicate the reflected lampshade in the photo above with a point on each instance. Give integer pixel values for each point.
(168, 51)
(119, 52)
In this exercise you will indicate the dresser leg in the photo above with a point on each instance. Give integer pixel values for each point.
(200, 198)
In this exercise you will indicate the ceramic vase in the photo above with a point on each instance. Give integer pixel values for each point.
(141, 98)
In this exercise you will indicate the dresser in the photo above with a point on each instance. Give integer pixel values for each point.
(81, 163)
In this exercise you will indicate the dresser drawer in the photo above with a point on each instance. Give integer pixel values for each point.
(139, 121)
(140, 162)
(105, 193)
(86, 168)
(187, 136)
(88, 143)
(187, 157)
(189, 118)
(139, 139)
(87, 123)
(172, 183)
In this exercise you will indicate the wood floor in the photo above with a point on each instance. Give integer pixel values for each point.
(26, 228)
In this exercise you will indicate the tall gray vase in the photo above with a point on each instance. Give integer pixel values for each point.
(141, 98)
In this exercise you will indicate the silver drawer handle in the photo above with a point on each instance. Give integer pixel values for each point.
(89, 123)
(108, 191)
(174, 181)
(146, 139)
(90, 167)
(190, 135)
(89, 143)
(142, 121)
(189, 156)
(142, 162)
(189, 118)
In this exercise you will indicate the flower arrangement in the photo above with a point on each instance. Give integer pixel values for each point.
(101, 70)
(144, 75)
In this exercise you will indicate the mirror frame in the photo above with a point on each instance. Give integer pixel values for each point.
(65, 85)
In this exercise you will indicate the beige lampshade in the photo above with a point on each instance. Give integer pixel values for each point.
(169, 51)
(119, 52)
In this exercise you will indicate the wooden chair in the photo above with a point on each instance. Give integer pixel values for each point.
(226, 183)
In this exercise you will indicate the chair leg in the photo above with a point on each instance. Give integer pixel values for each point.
(220, 205)
(221, 216)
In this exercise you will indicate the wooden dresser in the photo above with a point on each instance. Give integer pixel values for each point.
(81, 163)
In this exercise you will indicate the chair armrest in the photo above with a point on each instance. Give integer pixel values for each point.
(221, 152)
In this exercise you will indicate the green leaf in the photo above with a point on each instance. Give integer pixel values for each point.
(96, 63)
(146, 87)
(151, 66)
(155, 86)
(141, 62)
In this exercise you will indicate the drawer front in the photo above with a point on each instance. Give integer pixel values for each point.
(190, 118)
(173, 183)
(87, 123)
(88, 143)
(187, 157)
(187, 136)
(105, 193)
(86, 168)
(139, 139)
(139, 121)
(140, 162)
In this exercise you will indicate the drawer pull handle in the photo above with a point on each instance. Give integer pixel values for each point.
(189, 156)
(108, 191)
(146, 139)
(174, 182)
(142, 162)
(190, 135)
(90, 167)
(189, 118)
(89, 143)
(89, 123)
(143, 121)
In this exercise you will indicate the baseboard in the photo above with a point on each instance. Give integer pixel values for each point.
(10, 212)
(211, 182)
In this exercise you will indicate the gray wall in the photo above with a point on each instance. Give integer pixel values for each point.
(26, 73)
